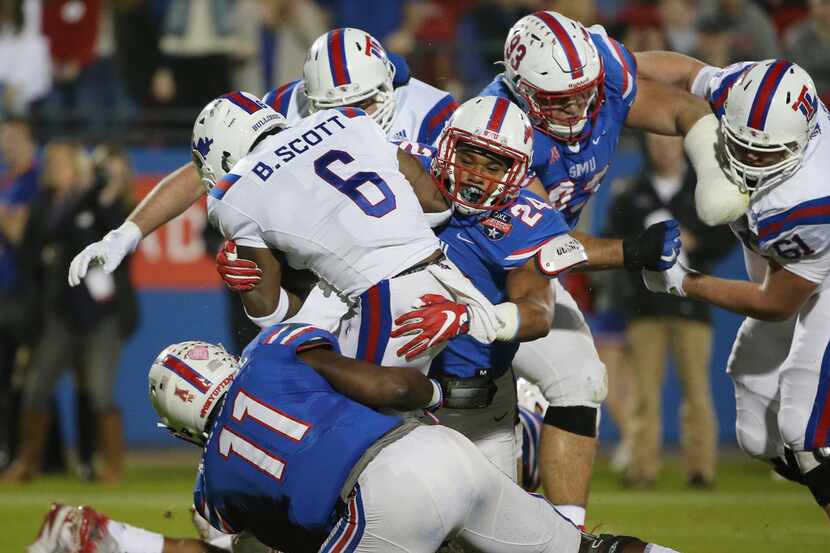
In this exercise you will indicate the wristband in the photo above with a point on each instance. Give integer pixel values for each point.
(508, 315)
(277, 316)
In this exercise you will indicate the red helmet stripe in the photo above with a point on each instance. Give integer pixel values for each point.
(188, 374)
(497, 115)
(763, 98)
(245, 103)
(337, 58)
(565, 40)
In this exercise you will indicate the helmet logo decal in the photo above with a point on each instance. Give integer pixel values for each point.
(805, 103)
(766, 90)
(337, 58)
(373, 48)
(199, 353)
(188, 374)
(565, 40)
(185, 395)
(203, 146)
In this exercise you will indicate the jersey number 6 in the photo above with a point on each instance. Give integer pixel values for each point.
(365, 188)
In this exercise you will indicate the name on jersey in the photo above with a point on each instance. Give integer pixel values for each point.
(300, 145)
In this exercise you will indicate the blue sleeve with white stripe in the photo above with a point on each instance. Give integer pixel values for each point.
(435, 119)
(620, 66)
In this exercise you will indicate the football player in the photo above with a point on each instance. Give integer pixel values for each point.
(295, 454)
(509, 242)
(579, 88)
(344, 66)
(327, 195)
(772, 131)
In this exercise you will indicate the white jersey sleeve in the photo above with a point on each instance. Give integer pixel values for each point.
(799, 239)
(713, 83)
(421, 111)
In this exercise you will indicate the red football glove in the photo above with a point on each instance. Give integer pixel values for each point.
(436, 322)
(240, 275)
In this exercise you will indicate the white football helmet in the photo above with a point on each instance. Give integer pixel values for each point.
(770, 114)
(552, 64)
(493, 127)
(226, 130)
(346, 67)
(187, 381)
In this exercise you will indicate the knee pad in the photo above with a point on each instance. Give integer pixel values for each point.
(576, 419)
(792, 422)
(757, 436)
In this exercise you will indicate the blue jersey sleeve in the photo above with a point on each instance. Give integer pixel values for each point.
(435, 119)
(516, 235)
(620, 66)
(280, 98)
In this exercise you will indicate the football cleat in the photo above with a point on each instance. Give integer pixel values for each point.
(608, 543)
(73, 530)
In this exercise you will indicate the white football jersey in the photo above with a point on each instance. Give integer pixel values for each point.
(790, 222)
(329, 195)
(420, 109)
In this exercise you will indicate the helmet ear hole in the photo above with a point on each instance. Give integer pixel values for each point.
(226, 166)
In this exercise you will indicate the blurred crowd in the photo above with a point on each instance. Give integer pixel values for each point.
(140, 69)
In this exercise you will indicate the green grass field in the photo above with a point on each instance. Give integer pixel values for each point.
(747, 512)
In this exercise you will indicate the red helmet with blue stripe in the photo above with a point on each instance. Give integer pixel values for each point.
(347, 67)
(769, 117)
(482, 130)
(552, 64)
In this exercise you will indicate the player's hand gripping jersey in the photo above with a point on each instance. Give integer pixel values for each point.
(571, 173)
(789, 222)
(329, 195)
(283, 445)
(348, 56)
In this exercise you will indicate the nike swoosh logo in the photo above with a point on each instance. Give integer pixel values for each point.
(449, 319)
(467, 240)
(499, 419)
(595, 141)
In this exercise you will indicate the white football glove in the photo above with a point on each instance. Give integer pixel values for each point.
(669, 281)
(108, 252)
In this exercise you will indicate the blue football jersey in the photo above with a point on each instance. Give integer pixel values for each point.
(571, 173)
(283, 444)
(485, 248)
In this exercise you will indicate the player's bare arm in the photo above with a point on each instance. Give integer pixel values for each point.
(528, 288)
(431, 199)
(400, 388)
(671, 68)
(264, 300)
(779, 297)
(663, 109)
(168, 199)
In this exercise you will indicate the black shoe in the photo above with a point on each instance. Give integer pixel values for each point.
(699, 482)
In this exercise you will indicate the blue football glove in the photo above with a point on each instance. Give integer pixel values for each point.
(655, 249)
